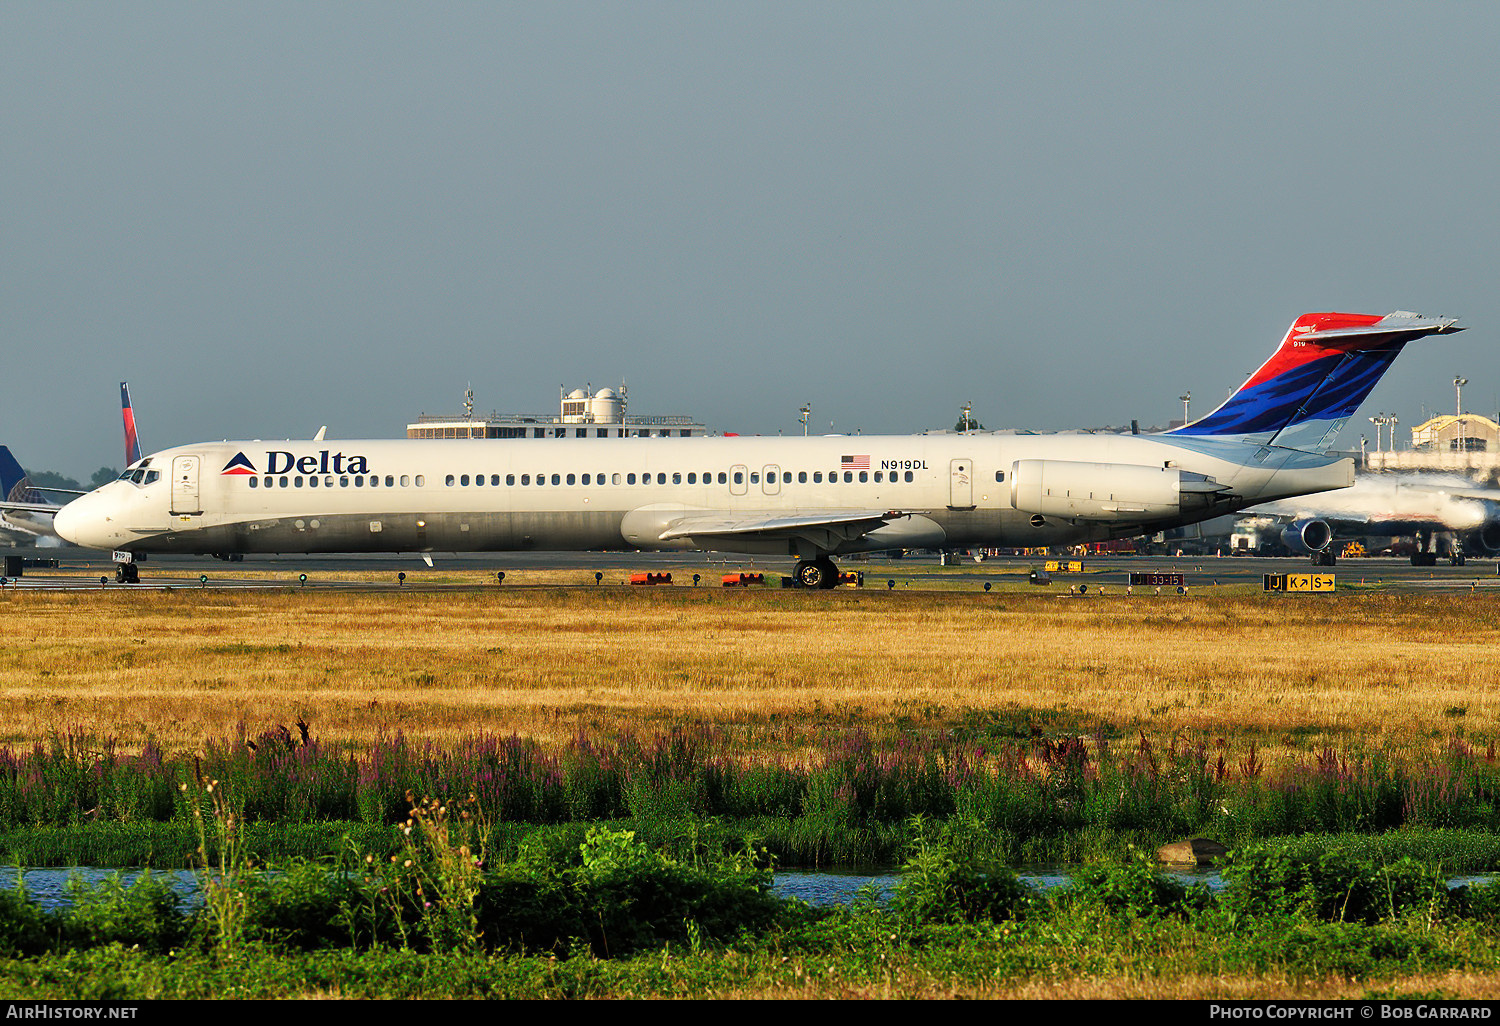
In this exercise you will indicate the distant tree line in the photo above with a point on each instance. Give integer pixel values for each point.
(52, 479)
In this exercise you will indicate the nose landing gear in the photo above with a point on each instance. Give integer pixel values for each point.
(127, 573)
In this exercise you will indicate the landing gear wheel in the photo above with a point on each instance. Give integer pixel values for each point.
(127, 573)
(817, 573)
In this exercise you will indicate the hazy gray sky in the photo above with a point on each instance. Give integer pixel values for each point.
(273, 216)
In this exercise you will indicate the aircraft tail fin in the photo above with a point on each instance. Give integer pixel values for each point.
(15, 486)
(132, 443)
(1324, 368)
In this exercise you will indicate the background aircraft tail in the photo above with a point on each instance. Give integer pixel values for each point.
(1325, 367)
(132, 444)
(14, 485)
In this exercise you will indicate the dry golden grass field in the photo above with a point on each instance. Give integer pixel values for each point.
(1291, 673)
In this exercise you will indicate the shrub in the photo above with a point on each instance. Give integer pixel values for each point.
(24, 928)
(1334, 885)
(1136, 889)
(143, 915)
(937, 885)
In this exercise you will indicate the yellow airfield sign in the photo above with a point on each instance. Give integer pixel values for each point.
(1057, 566)
(1299, 582)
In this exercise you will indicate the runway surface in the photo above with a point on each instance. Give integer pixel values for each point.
(80, 570)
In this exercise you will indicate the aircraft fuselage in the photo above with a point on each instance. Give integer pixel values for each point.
(943, 490)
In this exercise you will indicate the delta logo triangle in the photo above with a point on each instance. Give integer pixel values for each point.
(240, 465)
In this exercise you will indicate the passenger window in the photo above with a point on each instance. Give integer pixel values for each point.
(510, 479)
(630, 479)
(572, 479)
(359, 482)
(755, 477)
(526, 479)
(722, 479)
(557, 479)
(421, 480)
(312, 482)
(909, 476)
(298, 481)
(817, 477)
(283, 482)
(802, 477)
(863, 476)
(585, 478)
(692, 477)
(661, 478)
(390, 480)
(677, 477)
(343, 482)
(614, 479)
(999, 475)
(450, 480)
(254, 482)
(495, 480)
(478, 479)
(405, 480)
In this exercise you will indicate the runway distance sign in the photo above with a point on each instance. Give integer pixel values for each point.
(1158, 579)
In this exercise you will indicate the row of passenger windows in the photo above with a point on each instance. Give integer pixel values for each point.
(358, 481)
(677, 477)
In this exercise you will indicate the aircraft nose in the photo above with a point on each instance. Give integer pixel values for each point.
(85, 522)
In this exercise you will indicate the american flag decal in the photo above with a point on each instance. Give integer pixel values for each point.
(854, 462)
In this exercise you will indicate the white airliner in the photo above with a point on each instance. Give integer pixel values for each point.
(25, 510)
(1447, 515)
(812, 498)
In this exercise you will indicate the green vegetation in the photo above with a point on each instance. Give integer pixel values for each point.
(612, 917)
(74, 800)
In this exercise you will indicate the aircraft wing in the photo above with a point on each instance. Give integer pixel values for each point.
(28, 507)
(844, 525)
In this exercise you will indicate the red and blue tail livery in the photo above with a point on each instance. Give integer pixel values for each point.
(132, 443)
(1325, 367)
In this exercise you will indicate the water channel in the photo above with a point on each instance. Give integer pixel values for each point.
(48, 887)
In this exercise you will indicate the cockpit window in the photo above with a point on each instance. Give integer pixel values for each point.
(141, 476)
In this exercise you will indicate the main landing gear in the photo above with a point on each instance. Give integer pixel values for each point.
(817, 573)
(127, 573)
(1429, 550)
